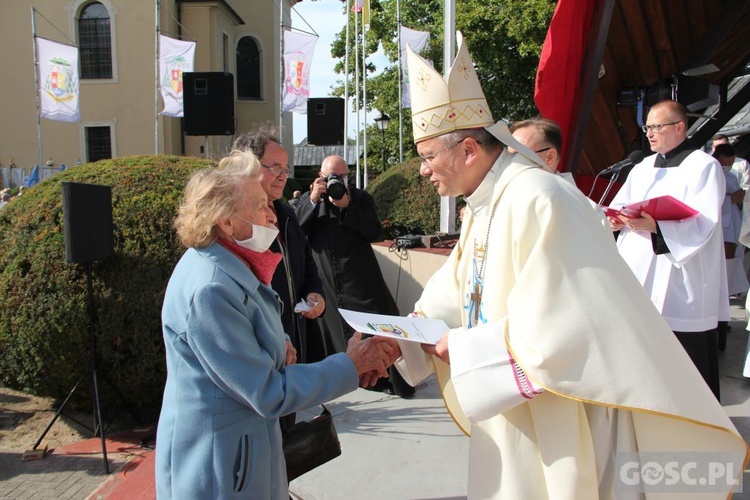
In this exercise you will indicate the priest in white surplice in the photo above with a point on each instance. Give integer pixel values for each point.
(558, 362)
(679, 263)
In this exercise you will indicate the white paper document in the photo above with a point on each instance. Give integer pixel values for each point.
(422, 330)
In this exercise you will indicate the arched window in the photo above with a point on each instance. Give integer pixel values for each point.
(95, 41)
(248, 69)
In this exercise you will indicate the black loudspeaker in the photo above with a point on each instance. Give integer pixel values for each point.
(87, 214)
(325, 121)
(209, 103)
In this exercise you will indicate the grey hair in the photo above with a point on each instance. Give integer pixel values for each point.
(257, 138)
(211, 195)
(486, 141)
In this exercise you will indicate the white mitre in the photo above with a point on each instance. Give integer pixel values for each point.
(440, 106)
(457, 102)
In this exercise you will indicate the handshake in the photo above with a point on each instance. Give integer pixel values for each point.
(372, 357)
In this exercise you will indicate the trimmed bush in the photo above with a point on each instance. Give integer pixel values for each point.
(43, 312)
(406, 202)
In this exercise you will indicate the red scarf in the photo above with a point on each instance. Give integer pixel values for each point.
(262, 265)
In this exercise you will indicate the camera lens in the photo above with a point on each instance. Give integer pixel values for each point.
(335, 187)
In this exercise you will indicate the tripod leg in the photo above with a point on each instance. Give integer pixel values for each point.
(99, 419)
(58, 412)
(92, 344)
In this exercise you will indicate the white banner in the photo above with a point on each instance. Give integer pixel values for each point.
(298, 54)
(58, 80)
(175, 58)
(417, 40)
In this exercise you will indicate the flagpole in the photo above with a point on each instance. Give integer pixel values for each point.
(36, 82)
(156, 78)
(448, 203)
(356, 91)
(281, 68)
(364, 97)
(346, 88)
(400, 86)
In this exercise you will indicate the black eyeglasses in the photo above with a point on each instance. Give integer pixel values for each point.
(277, 170)
(656, 128)
(543, 149)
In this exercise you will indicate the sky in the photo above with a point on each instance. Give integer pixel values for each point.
(326, 18)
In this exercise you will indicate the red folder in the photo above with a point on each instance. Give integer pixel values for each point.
(660, 208)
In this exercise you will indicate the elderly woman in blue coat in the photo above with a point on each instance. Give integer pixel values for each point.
(230, 367)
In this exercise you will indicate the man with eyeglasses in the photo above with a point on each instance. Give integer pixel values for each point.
(679, 263)
(543, 137)
(341, 227)
(555, 362)
(296, 279)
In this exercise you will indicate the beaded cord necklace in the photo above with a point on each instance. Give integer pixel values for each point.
(476, 295)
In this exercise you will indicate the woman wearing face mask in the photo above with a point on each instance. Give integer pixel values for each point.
(230, 367)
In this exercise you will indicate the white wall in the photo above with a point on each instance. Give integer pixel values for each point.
(406, 278)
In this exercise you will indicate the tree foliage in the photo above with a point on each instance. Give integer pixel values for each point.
(505, 39)
(406, 203)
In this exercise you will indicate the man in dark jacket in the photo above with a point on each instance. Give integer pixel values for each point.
(296, 278)
(341, 223)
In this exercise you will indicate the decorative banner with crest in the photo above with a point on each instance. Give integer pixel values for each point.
(58, 80)
(175, 58)
(298, 54)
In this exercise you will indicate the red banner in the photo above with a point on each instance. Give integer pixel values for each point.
(558, 79)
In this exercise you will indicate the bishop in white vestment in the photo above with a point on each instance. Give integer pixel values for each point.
(559, 363)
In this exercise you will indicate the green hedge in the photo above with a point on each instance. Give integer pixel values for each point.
(43, 311)
(407, 203)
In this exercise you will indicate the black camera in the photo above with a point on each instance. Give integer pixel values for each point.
(335, 186)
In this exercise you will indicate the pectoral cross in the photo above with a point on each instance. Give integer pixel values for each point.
(476, 298)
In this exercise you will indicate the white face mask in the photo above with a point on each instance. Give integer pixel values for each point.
(261, 239)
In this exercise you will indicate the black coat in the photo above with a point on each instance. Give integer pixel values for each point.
(304, 275)
(341, 245)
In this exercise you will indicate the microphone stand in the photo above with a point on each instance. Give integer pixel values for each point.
(612, 180)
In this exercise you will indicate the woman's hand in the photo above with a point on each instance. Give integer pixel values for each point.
(291, 354)
(317, 303)
(370, 378)
(375, 354)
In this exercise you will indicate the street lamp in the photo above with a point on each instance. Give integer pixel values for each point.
(382, 122)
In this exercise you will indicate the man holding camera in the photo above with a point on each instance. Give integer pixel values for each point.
(341, 223)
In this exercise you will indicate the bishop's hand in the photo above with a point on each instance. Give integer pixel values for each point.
(440, 349)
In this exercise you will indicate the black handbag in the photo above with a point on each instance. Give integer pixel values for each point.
(308, 445)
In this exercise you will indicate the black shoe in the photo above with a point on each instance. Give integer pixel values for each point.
(406, 394)
(722, 343)
(400, 387)
(382, 385)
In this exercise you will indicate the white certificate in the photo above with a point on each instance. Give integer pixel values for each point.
(414, 329)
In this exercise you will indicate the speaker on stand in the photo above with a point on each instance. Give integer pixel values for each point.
(208, 98)
(87, 215)
(325, 121)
